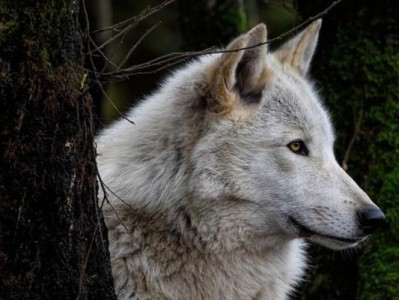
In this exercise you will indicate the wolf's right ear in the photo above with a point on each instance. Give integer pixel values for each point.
(240, 75)
(298, 51)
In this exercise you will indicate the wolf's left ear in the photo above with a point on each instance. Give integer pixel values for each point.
(246, 71)
(298, 51)
(238, 77)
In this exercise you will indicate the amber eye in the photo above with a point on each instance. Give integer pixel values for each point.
(298, 147)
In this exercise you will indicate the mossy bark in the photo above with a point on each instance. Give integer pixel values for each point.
(207, 23)
(357, 67)
(53, 243)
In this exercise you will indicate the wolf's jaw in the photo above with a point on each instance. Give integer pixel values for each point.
(307, 233)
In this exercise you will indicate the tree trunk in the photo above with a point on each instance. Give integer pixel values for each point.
(53, 243)
(358, 69)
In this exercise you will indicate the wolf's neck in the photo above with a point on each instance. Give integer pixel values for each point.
(183, 248)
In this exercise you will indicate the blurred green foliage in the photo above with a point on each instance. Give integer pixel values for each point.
(211, 23)
(379, 263)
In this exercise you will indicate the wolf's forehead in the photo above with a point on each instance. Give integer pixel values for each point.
(296, 105)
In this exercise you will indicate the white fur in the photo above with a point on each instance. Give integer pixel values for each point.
(206, 198)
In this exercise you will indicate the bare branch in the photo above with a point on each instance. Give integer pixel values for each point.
(122, 29)
(107, 60)
(133, 22)
(119, 198)
(136, 19)
(137, 44)
(168, 60)
(100, 85)
(97, 82)
(105, 198)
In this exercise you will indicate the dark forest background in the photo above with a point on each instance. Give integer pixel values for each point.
(53, 98)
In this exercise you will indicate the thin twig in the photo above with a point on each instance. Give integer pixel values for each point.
(143, 15)
(170, 59)
(108, 60)
(122, 32)
(116, 27)
(104, 189)
(137, 44)
(102, 89)
(96, 73)
(134, 21)
(352, 140)
(119, 198)
(166, 59)
(100, 85)
(83, 270)
(116, 36)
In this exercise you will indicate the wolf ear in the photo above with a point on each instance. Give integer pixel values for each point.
(298, 51)
(238, 76)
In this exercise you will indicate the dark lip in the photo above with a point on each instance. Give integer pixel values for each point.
(305, 232)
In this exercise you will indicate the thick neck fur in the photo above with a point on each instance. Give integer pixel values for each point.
(153, 258)
(164, 196)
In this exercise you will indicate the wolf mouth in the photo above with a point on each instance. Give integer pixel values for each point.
(305, 232)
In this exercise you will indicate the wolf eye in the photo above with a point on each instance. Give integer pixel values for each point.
(298, 147)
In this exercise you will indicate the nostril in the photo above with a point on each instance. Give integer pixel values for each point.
(371, 219)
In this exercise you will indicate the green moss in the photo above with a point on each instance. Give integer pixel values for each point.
(358, 69)
(372, 70)
(380, 261)
(232, 17)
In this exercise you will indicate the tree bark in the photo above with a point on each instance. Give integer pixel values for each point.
(53, 242)
(358, 69)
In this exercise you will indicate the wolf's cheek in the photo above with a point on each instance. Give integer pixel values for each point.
(285, 162)
(274, 179)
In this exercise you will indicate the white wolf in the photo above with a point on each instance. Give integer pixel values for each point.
(228, 169)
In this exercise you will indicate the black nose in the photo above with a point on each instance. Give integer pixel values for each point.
(371, 219)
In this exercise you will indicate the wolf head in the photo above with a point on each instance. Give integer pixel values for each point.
(269, 141)
(241, 142)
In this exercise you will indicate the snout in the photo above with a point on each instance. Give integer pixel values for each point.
(371, 219)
